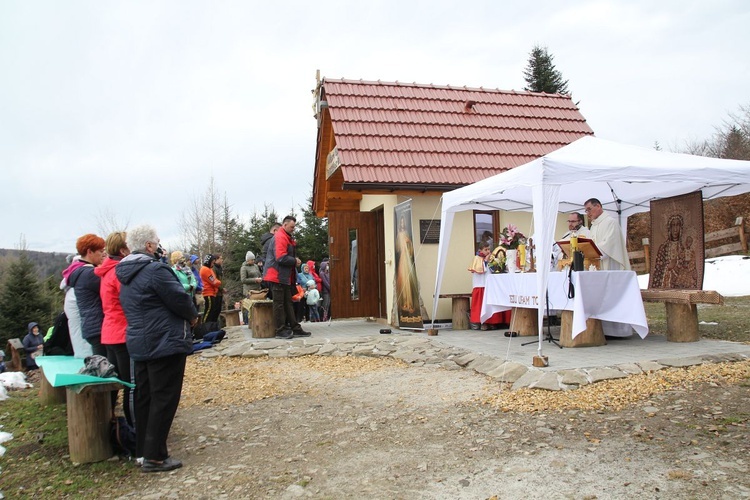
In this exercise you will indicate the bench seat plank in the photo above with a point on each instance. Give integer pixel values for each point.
(62, 371)
(683, 296)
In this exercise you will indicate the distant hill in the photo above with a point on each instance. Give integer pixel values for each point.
(48, 263)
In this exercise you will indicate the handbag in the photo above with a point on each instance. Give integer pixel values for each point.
(258, 294)
(477, 265)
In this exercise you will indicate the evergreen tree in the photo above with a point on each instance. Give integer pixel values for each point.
(311, 235)
(541, 75)
(20, 300)
(260, 224)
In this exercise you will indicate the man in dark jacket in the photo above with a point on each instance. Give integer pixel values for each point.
(265, 242)
(281, 272)
(160, 315)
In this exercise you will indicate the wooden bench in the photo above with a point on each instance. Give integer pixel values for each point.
(261, 319)
(460, 308)
(89, 406)
(232, 317)
(682, 313)
(15, 355)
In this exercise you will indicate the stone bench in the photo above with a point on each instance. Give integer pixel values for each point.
(682, 313)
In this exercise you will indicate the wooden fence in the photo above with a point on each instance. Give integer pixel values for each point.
(640, 260)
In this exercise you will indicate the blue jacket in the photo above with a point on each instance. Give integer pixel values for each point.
(157, 307)
(87, 284)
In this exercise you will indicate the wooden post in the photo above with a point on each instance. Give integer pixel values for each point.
(49, 395)
(460, 313)
(524, 321)
(89, 421)
(647, 254)
(262, 320)
(682, 322)
(593, 335)
(743, 238)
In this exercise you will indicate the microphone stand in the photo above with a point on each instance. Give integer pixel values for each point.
(549, 338)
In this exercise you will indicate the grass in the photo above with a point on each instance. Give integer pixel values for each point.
(36, 463)
(733, 321)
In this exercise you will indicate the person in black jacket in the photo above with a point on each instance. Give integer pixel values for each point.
(160, 316)
(86, 285)
(265, 242)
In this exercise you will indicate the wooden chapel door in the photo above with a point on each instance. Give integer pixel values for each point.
(355, 261)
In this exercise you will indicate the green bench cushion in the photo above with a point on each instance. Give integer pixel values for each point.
(62, 371)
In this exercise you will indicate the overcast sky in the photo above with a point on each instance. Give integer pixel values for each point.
(126, 110)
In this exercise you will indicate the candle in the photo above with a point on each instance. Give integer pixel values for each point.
(522, 256)
(574, 242)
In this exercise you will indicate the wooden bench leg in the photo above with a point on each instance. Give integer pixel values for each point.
(682, 322)
(592, 337)
(262, 321)
(89, 416)
(460, 313)
(231, 317)
(49, 395)
(524, 321)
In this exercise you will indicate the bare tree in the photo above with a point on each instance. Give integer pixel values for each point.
(731, 140)
(201, 224)
(108, 222)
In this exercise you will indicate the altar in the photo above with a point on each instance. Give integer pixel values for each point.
(611, 296)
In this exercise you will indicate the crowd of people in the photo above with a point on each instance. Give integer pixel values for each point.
(129, 302)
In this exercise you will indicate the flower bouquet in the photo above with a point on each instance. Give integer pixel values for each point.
(511, 237)
(496, 260)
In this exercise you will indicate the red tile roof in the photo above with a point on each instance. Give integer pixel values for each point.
(440, 136)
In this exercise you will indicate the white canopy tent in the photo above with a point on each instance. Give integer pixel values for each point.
(624, 178)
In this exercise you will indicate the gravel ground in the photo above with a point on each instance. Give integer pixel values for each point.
(343, 427)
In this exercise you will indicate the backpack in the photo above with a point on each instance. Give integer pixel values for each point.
(59, 342)
(122, 437)
(204, 328)
(214, 337)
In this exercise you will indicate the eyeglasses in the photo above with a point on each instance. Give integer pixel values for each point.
(573, 221)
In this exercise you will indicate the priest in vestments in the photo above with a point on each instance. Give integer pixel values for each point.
(606, 233)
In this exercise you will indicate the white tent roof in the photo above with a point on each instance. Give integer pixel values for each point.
(620, 176)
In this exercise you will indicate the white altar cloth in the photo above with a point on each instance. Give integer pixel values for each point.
(605, 295)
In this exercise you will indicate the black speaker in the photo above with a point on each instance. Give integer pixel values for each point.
(578, 261)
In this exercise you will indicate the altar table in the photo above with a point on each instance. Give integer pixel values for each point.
(605, 295)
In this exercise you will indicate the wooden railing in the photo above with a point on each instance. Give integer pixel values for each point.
(640, 260)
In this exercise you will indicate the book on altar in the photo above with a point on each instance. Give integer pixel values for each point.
(585, 245)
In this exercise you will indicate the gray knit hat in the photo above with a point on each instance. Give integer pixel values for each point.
(249, 256)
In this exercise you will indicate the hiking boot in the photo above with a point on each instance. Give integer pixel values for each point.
(163, 466)
(300, 333)
(284, 334)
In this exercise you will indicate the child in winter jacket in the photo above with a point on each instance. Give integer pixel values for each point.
(312, 297)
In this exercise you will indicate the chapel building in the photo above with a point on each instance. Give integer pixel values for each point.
(381, 144)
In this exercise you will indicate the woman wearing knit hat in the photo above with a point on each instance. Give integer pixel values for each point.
(250, 276)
